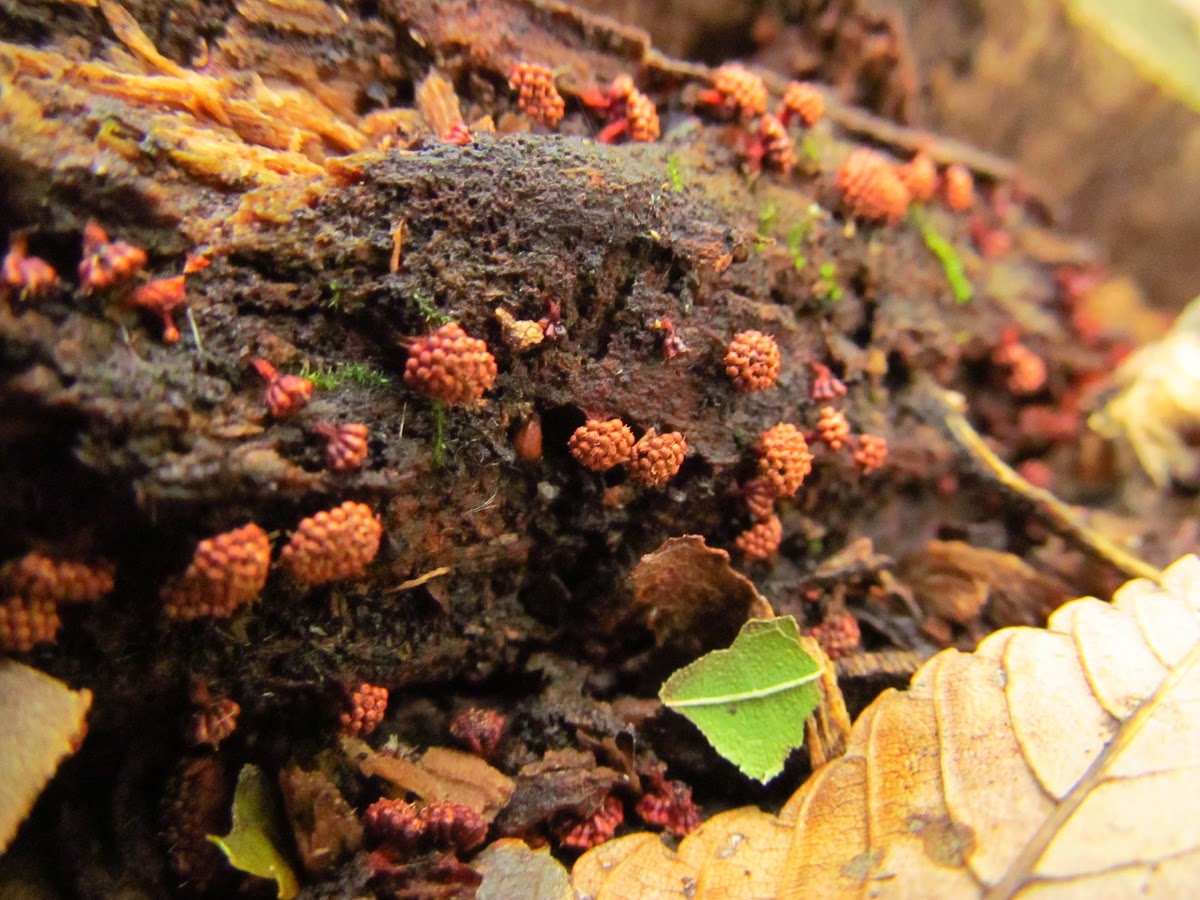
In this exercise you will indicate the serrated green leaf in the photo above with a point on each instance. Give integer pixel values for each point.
(750, 701)
(253, 843)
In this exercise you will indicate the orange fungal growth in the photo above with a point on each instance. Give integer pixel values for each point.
(346, 446)
(29, 276)
(958, 187)
(772, 146)
(752, 361)
(919, 176)
(622, 88)
(457, 133)
(365, 708)
(838, 635)
(478, 729)
(825, 386)
(600, 444)
(760, 496)
(453, 826)
(784, 459)
(395, 823)
(871, 452)
(537, 94)
(643, 118)
(802, 101)
(404, 827)
(832, 428)
(106, 262)
(657, 457)
(286, 394)
(36, 576)
(26, 623)
(162, 297)
(870, 188)
(1026, 370)
(227, 571)
(597, 828)
(630, 112)
(333, 544)
(450, 366)
(672, 341)
(198, 261)
(667, 805)
(762, 539)
(737, 91)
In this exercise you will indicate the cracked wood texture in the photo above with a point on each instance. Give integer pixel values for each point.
(1056, 762)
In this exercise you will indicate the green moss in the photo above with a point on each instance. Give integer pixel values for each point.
(795, 245)
(801, 232)
(674, 176)
(810, 149)
(827, 287)
(767, 217)
(432, 314)
(335, 296)
(941, 248)
(329, 377)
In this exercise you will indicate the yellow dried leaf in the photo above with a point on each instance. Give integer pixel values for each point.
(307, 17)
(440, 774)
(438, 103)
(44, 723)
(1050, 762)
(1159, 402)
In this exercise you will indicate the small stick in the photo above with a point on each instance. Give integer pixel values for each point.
(397, 247)
(1054, 512)
(419, 580)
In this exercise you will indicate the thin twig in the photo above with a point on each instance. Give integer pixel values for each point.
(419, 580)
(1054, 512)
(195, 333)
(943, 150)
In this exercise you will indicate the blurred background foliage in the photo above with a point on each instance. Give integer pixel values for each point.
(1098, 100)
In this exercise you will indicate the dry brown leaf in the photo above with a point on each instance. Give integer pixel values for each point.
(44, 722)
(564, 783)
(954, 581)
(325, 828)
(691, 598)
(826, 730)
(1056, 762)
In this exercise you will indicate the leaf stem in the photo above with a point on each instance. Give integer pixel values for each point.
(722, 699)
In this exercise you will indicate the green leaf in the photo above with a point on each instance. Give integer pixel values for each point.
(253, 844)
(751, 700)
